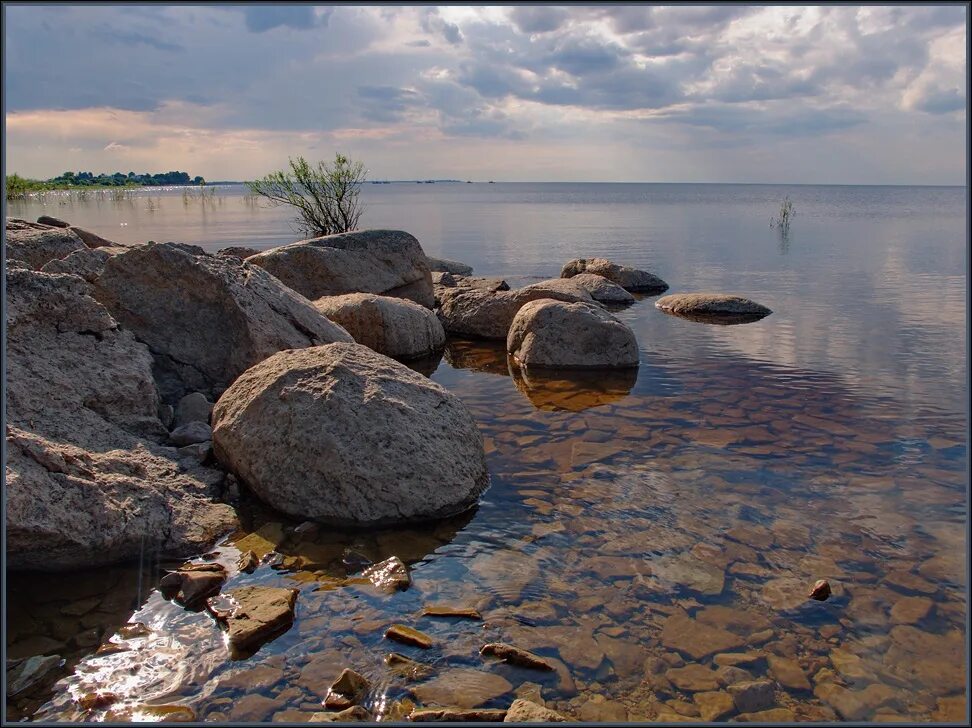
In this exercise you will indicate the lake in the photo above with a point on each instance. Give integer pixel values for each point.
(653, 532)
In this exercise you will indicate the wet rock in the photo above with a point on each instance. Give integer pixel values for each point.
(87, 483)
(35, 244)
(368, 441)
(190, 588)
(206, 318)
(97, 700)
(951, 710)
(738, 659)
(934, 661)
(911, 610)
(34, 672)
(354, 714)
(788, 673)
(770, 717)
(191, 434)
(820, 590)
(253, 708)
(408, 636)
(549, 333)
(530, 691)
(194, 407)
(442, 265)
(446, 611)
(905, 581)
(695, 639)
(407, 667)
(601, 710)
(730, 675)
(262, 541)
(462, 687)
(845, 702)
(693, 678)
(52, 221)
(710, 304)
(525, 711)
(307, 529)
(457, 715)
(248, 562)
(390, 575)
(259, 678)
(631, 279)
(784, 594)
(349, 689)
(151, 714)
(849, 665)
(564, 285)
(387, 262)
(94, 241)
(482, 314)
(752, 697)
(515, 656)
(133, 630)
(263, 613)
(689, 572)
(714, 705)
(394, 327)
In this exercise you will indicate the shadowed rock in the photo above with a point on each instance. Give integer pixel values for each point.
(441, 265)
(37, 244)
(482, 314)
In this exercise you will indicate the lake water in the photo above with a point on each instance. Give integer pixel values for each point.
(655, 532)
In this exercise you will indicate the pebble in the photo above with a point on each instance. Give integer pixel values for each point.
(408, 636)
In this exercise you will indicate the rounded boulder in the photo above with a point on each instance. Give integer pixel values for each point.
(394, 327)
(548, 333)
(343, 435)
(630, 279)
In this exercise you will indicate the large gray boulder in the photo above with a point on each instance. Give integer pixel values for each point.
(388, 262)
(395, 327)
(601, 289)
(566, 335)
(343, 435)
(36, 244)
(630, 279)
(88, 263)
(483, 314)
(86, 482)
(205, 318)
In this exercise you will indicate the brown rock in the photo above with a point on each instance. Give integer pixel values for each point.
(910, 610)
(631, 279)
(515, 656)
(693, 678)
(390, 575)
(846, 703)
(435, 610)
(485, 314)
(247, 562)
(771, 716)
(788, 673)
(457, 715)
(752, 697)
(820, 590)
(407, 667)
(408, 636)
(349, 689)
(714, 706)
(697, 640)
(263, 613)
(462, 687)
(601, 710)
(525, 711)
(354, 714)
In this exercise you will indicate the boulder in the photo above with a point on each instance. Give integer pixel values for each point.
(441, 265)
(86, 482)
(191, 433)
(395, 327)
(194, 407)
(88, 263)
(92, 240)
(601, 289)
(524, 711)
(37, 244)
(565, 335)
(564, 285)
(52, 221)
(238, 252)
(711, 304)
(389, 262)
(205, 319)
(630, 279)
(482, 314)
(340, 434)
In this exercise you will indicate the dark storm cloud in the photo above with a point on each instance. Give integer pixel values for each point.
(300, 17)
(761, 121)
(539, 19)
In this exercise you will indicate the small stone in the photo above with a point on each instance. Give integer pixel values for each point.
(693, 678)
(820, 590)
(753, 697)
(525, 711)
(738, 659)
(263, 613)
(408, 636)
(248, 562)
(846, 703)
(515, 656)
(349, 689)
(443, 611)
(407, 667)
(193, 407)
(133, 630)
(190, 434)
(52, 221)
(463, 688)
(730, 675)
(530, 691)
(389, 575)
(97, 700)
(714, 705)
(199, 452)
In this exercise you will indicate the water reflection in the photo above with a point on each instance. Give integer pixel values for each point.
(489, 357)
(719, 319)
(572, 390)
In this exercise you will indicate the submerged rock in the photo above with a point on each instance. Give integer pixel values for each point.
(205, 318)
(752, 697)
(390, 575)
(262, 614)
(408, 636)
(457, 715)
(190, 587)
(354, 714)
(462, 687)
(714, 305)
(515, 656)
(366, 440)
(556, 334)
(407, 667)
(395, 327)
(387, 262)
(349, 689)
(445, 611)
(630, 279)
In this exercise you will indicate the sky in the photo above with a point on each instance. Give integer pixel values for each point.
(628, 93)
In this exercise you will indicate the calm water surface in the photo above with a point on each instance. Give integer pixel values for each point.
(654, 532)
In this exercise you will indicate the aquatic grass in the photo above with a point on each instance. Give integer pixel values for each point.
(785, 215)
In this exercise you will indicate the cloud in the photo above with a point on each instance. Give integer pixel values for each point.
(115, 147)
(538, 19)
(260, 19)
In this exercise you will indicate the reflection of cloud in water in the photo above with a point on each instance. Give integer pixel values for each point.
(573, 390)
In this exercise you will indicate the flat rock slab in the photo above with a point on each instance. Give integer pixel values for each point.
(515, 656)
(408, 636)
(695, 639)
(444, 611)
(457, 715)
(463, 688)
(262, 613)
(712, 307)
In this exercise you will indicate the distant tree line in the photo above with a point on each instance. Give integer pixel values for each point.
(120, 179)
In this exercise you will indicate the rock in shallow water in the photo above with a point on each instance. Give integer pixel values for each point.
(711, 304)
(483, 314)
(631, 279)
(263, 613)
(390, 575)
(343, 435)
(556, 334)
(523, 711)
